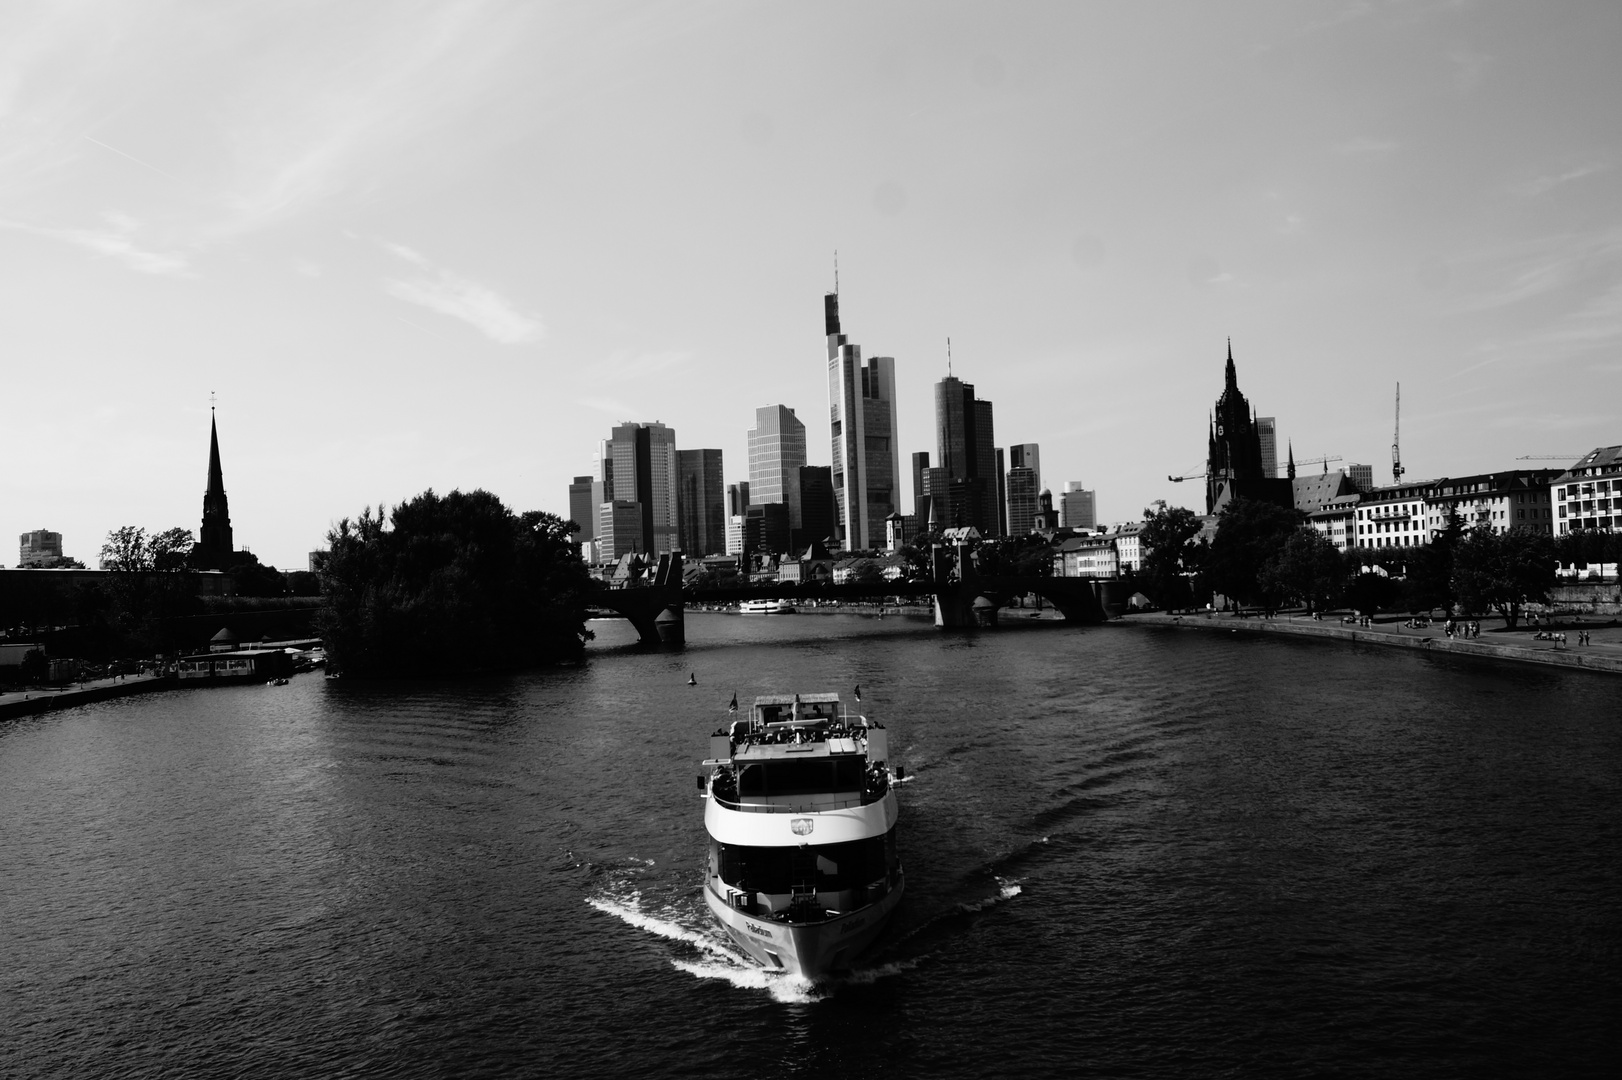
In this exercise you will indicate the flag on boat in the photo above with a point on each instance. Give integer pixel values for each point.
(734, 706)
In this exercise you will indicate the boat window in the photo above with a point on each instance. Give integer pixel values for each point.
(849, 865)
(814, 776)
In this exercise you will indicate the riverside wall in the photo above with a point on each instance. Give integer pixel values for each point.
(1605, 657)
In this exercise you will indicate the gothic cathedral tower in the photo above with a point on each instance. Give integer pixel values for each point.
(215, 544)
(1235, 456)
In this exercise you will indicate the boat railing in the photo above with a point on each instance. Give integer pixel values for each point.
(796, 808)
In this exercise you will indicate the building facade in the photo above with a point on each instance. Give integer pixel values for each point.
(862, 428)
(1588, 496)
(965, 446)
(39, 548)
(701, 505)
(1078, 507)
(1267, 436)
(638, 465)
(1022, 500)
(583, 508)
(816, 506)
(776, 454)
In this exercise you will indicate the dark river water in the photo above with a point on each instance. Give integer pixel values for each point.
(1129, 853)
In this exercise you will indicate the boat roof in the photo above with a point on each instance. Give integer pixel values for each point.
(789, 699)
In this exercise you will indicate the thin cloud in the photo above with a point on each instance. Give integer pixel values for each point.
(1543, 184)
(448, 293)
(116, 241)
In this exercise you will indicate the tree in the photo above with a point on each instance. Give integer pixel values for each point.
(1015, 556)
(866, 572)
(452, 584)
(917, 553)
(1503, 570)
(1249, 533)
(36, 669)
(1434, 563)
(1169, 553)
(149, 582)
(254, 579)
(1307, 567)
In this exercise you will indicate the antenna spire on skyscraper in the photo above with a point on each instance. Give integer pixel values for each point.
(948, 358)
(836, 271)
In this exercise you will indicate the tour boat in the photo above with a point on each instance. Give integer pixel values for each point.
(800, 806)
(765, 607)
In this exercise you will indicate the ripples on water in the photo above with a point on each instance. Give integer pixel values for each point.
(1129, 854)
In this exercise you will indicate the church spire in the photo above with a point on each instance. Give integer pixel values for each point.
(216, 477)
(1292, 458)
(215, 544)
(1232, 376)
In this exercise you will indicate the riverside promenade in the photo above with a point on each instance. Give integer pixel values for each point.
(1495, 642)
(38, 700)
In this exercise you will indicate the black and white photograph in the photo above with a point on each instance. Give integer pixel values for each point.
(917, 539)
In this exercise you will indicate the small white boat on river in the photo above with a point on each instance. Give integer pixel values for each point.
(800, 806)
(765, 607)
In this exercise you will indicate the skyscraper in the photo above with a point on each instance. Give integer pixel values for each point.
(1267, 434)
(701, 506)
(638, 466)
(862, 425)
(215, 544)
(1078, 507)
(966, 444)
(1023, 482)
(1022, 500)
(1027, 456)
(583, 508)
(920, 495)
(776, 452)
(816, 506)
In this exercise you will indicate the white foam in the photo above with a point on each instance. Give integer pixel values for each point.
(1007, 889)
(789, 989)
(630, 912)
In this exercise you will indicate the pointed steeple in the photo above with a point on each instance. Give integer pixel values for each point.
(215, 544)
(1292, 458)
(1232, 376)
(216, 477)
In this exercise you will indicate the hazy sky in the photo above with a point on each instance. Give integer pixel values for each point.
(451, 244)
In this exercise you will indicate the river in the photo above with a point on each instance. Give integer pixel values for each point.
(1129, 853)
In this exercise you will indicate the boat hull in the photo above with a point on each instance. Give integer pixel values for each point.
(809, 950)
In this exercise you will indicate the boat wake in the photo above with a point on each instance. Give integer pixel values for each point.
(711, 956)
(1007, 889)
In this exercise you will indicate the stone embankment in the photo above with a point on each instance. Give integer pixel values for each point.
(36, 700)
(1605, 654)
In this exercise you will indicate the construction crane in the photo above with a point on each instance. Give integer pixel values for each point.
(1324, 461)
(1550, 457)
(1201, 475)
(1396, 432)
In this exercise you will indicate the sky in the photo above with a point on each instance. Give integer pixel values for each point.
(403, 246)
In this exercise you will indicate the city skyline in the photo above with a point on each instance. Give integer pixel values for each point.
(432, 249)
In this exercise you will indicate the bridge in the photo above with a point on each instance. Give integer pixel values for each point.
(962, 596)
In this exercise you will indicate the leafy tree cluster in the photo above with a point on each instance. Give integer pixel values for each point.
(1171, 554)
(149, 584)
(452, 584)
(1251, 538)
